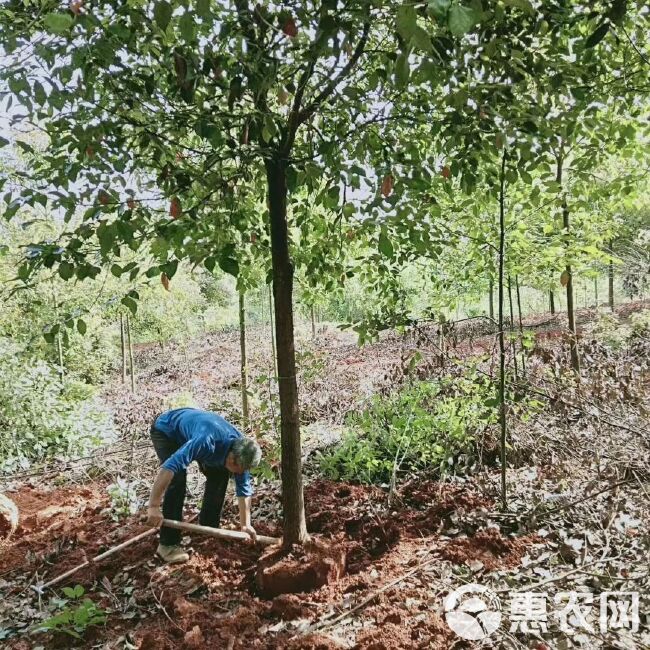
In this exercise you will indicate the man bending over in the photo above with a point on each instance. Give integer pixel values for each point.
(181, 436)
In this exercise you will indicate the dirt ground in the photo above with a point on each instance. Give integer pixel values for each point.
(578, 516)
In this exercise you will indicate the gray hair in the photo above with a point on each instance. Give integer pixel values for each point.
(247, 452)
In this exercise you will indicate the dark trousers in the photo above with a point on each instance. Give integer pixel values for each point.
(172, 506)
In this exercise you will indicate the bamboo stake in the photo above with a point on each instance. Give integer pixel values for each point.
(168, 523)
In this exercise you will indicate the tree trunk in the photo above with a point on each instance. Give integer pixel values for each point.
(59, 342)
(313, 323)
(551, 299)
(128, 339)
(243, 362)
(295, 528)
(274, 356)
(491, 298)
(596, 291)
(575, 358)
(123, 347)
(610, 277)
(511, 329)
(502, 344)
(521, 326)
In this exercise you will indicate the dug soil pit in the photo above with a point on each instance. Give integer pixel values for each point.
(299, 569)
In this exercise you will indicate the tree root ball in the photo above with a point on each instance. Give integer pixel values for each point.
(299, 569)
(8, 518)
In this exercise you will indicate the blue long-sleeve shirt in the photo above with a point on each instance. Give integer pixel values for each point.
(205, 437)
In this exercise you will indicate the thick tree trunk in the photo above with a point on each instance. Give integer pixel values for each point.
(573, 343)
(295, 528)
(274, 356)
(502, 345)
(610, 278)
(511, 329)
(551, 301)
(123, 347)
(131, 364)
(491, 298)
(521, 326)
(243, 361)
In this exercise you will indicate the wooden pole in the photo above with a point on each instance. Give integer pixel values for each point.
(219, 532)
(243, 361)
(169, 523)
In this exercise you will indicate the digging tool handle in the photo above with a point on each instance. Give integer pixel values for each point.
(100, 557)
(219, 532)
(181, 525)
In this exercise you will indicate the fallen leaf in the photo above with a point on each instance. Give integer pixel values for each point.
(165, 280)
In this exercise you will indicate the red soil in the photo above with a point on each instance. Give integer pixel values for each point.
(213, 600)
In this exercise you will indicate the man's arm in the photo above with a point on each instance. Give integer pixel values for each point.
(244, 504)
(154, 513)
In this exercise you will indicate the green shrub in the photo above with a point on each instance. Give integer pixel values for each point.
(641, 323)
(427, 425)
(40, 417)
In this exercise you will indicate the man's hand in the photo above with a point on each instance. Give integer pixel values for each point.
(154, 516)
(251, 531)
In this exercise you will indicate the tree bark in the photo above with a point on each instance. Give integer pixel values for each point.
(491, 298)
(274, 356)
(610, 277)
(294, 528)
(521, 326)
(243, 361)
(502, 345)
(128, 338)
(511, 329)
(123, 347)
(573, 343)
(59, 341)
(551, 300)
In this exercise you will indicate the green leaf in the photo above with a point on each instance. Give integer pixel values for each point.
(58, 23)
(421, 39)
(68, 591)
(524, 5)
(203, 8)
(461, 19)
(81, 327)
(229, 265)
(78, 591)
(406, 20)
(597, 35)
(130, 304)
(116, 270)
(162, 14)
(385, 245)
(66, 270)
(3, 141)
(438, 9)
(402, 70)
(187, 27)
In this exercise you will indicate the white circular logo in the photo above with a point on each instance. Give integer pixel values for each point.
(473, 612)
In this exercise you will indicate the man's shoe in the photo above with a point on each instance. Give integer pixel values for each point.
(172, 554)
